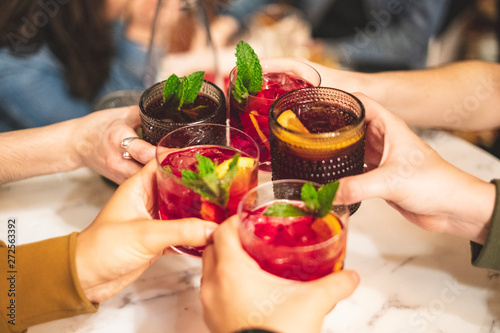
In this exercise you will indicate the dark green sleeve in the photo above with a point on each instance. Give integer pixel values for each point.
(44, 284)
(488, 256)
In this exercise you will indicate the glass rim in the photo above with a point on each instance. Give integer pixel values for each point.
(360, 122)
(271, 59)
(166, 125)
(305, 248)
(228, 128)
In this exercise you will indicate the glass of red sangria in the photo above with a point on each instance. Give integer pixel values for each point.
(290, 236)
(203, 171)
(159, 117)
(251, 114)
(317, 134)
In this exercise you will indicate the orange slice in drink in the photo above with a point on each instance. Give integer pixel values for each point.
(327, 226)
(289, 120)
(263, 138)
(315, 146)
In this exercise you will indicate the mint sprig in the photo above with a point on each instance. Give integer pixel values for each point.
(183, 92)
(249, 77)
(206, 183)
(317, 203)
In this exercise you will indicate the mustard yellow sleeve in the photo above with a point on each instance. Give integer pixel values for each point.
(42, 285)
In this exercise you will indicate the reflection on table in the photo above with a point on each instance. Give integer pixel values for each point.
(411, 280)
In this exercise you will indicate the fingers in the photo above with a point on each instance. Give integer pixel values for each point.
(334, 287)
(141, 151)
(227, 244)
(157, 235)
(368, 185)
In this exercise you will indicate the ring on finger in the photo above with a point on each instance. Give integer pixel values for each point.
(128, 141)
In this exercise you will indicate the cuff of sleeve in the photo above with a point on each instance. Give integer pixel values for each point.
(48, 285)
(487, 256)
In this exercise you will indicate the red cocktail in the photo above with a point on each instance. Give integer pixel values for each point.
(317, 134)
(252, 113)
(300, 247)
(231, 158)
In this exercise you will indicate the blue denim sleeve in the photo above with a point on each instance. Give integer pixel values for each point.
(34, 92)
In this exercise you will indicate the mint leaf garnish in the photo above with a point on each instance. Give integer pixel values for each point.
(194, 86)
(309, 195)
(206, 183)
(183, 92)
(317, 203)
(249, 77)
(326, 194)
(282, 209)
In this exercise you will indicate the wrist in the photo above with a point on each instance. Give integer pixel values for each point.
(472, 211)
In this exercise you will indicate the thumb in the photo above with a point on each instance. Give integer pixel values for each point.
(364, 186)
(159, 235)
(333, 288)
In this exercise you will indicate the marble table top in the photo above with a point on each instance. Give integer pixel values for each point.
(411, 280)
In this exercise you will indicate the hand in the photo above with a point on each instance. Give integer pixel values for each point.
(97, 140)
(416, 181)
(237, 294)
(124, 239)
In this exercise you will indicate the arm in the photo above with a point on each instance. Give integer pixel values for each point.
(464, 95)
(46, 284)
(91, 141)
(67, 276)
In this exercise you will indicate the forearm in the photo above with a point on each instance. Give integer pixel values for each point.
(464, 95)
(38, 151)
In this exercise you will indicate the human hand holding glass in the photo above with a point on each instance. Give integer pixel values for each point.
(416, 181)
(124, 239)
(235, 290)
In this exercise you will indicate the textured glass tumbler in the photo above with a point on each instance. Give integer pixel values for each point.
(322, 155)
(155, 128)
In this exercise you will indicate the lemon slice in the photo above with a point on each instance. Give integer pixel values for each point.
(289, 120)
(243, 163)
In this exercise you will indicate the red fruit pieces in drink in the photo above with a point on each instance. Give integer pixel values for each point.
(212, 212)
(286, 231)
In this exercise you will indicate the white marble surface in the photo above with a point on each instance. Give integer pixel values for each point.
(411, 280)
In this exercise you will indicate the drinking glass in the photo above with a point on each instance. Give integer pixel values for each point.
(334, 145)
(296, 248)
(177, 151)
(157, 121)
(252, 113)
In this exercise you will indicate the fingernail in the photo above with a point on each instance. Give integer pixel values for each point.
(209, 231)
(355, 277)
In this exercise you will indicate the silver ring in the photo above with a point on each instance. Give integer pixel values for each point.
(128, 141)
(126, 155)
